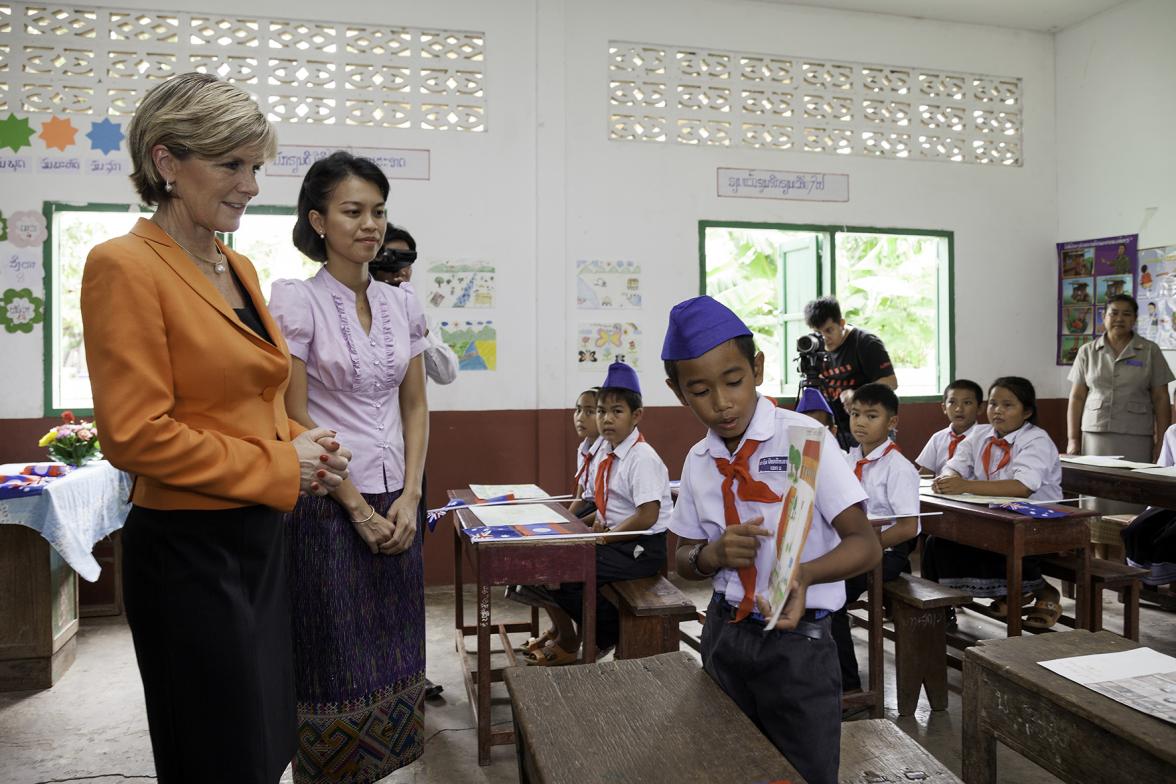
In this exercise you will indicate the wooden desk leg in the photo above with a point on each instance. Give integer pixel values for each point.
(458, 601)
(484, 677)
(979, 742)
(588, 608)
(1083, 615)
(874, 671)
(1013, 576)
(1131, 612)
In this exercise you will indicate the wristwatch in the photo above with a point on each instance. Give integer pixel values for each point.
(692, 559)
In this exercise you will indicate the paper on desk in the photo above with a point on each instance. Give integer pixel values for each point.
(1104, 461)
(925, 482)
(1142, 678)
(969, 498)
(1156, 470)
(518, 491)
(519, 514)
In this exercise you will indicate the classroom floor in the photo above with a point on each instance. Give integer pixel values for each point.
(91, 724)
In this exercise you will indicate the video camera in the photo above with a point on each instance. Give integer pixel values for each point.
(810, 359)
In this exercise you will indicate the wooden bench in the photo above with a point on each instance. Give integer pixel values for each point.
(920, 638)
(1104, 575)
(876, 750)
(651, 609)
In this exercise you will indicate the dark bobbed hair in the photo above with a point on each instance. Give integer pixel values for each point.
(966, 385)
(317, 186)
(745, 344)
(821, 310)
(1022, 389)
(631, 399)
(594, 391)
(1130, 300)
(876, 394)
(393, 233)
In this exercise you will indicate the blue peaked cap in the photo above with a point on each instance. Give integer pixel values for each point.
(621, 376)
(811, 399)
(698, 325)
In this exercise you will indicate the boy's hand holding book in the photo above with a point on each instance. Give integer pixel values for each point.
(794, 607)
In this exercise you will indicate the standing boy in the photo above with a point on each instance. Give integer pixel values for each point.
(961, 405)
(785, 679)
(892, 484)
(631, 490)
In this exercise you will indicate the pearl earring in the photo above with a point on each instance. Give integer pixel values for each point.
(167, 186)
(322, 236)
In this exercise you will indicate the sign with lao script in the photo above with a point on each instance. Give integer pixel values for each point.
(787, 185)
(294, 160)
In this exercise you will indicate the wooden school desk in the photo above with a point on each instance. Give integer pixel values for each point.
(1076, 734)
(1016, 536)
(506, 563)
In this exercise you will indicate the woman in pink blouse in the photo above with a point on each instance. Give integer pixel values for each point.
(357, 583)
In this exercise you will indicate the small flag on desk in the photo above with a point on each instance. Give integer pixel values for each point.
(433, 515)
(1030, 510)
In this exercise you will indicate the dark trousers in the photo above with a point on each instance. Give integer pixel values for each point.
(895, 561)
(787, 683)
(615, 561)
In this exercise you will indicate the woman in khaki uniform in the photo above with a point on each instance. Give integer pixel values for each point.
(1119, 394)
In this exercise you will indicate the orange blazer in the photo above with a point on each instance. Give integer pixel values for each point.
(186, 397)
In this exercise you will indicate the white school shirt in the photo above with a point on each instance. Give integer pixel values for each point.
(636, 477)
(891, 482)
(1168, 450)
(934, 454)
(588, 447)
(699, 511)
(1034, 461)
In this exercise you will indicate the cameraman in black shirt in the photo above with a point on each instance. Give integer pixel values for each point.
(855, 358)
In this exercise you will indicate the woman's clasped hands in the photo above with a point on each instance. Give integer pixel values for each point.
(322, 461)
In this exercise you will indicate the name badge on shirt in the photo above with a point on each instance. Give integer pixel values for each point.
(1134, 362)
(775, 463)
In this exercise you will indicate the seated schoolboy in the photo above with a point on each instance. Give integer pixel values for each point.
(631, 490)
(1150, 540)
(1010, 456)
(813, 404)
(733, 481)
(892, 484)
(961, 405)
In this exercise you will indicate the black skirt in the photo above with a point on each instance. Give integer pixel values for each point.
(209, 611)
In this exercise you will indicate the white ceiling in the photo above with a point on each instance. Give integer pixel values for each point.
(1046, 16)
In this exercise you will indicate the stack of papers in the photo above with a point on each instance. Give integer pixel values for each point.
(1142, 679)
(517, 514)
(518, 491)
(1104, 461)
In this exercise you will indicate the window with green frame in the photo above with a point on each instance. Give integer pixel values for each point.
(263, 237)
(896, 283)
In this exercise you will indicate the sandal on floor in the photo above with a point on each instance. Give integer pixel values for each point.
(1000, 606)
(537, 643)
(1043, 614)
(551, 656)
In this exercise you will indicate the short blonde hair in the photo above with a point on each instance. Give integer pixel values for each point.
(193, 114)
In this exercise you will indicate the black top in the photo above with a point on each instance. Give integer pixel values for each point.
(860, 359)
(249, 314)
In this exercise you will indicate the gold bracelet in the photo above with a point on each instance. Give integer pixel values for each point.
(369, 517)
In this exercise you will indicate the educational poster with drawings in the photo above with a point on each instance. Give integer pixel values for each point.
(1156, 287)
(1089, 271)
(604, 285)
(460, 284)
(599, 345)
(474, 342)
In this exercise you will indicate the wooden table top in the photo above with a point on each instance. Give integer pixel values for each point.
(660, 718)
(1016, 659)
(1120, 484)
(981, 510)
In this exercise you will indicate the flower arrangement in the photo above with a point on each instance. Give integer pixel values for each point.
(74, 442)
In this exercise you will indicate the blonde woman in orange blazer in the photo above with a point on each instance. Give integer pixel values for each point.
(189, 372)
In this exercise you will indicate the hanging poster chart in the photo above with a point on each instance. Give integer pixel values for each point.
(474, 342)
(1156, 293)
(601, 285)
(600, 345)
(1090, 271)
(460, 284)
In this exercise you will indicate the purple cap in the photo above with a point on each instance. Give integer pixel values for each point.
(698, 325)
(811, 399)
(621, 376)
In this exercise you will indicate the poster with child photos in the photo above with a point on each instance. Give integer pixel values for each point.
(608, 285)
(1156, 293)
(1090, 271)
(459, 284)
(599, 345)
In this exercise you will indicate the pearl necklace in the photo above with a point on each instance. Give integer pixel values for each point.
(218, 266)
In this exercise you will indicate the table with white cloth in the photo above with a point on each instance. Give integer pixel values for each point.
(46, 540)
